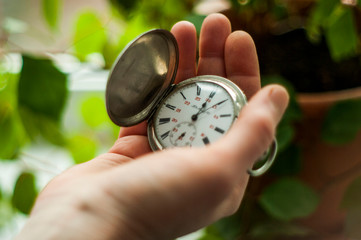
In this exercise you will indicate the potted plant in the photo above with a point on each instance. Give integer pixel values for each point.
(311, 47)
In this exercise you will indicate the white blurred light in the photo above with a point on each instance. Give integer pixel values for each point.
(349, 2)
(206, 7)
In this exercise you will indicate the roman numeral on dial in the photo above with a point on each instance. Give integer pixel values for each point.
(198, 90)
(184, 97)
(170, 106)
(205, 140)
(164, 135)
(164, 120)
(217, 129)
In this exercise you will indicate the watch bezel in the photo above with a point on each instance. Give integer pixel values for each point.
(238, 97)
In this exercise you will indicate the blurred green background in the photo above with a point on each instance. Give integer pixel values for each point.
(55, 56)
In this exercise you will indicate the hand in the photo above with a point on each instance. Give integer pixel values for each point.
(132, 193)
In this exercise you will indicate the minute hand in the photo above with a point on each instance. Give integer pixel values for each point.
(215, 105)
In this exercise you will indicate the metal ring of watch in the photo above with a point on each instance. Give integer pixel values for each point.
(271, 155)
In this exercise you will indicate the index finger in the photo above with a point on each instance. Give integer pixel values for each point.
(186, 36)
(214, 33)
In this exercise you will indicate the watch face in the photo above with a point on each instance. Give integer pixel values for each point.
(194, 114)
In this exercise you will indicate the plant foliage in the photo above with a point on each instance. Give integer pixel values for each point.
(32, 101)
(24, 192)
(51, 11)
(342, 122)
(42, 94)
(287, 199)
(12, 131)
(90, 35)
(337, 21)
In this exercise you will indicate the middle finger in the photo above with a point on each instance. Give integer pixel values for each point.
(215, 30)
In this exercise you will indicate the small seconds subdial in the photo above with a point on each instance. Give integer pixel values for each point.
(183, 134)
(195, 114)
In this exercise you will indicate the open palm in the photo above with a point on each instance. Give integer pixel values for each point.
(132, 193)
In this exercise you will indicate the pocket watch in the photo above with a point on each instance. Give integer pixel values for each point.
(193, 113)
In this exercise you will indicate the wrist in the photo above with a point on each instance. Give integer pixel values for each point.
(85, 214)
(75, 217)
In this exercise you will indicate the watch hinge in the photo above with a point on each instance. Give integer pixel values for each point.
(165, 94)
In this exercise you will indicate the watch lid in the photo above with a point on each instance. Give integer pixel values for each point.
(140, 77)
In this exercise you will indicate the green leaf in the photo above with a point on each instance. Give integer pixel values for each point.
(342, 122)
(110, 53)
(90, 35)
(287, 199)
(42, 88)
(4, 65)
(135, 27)
(94, 112)
(228, 228)
(8, 87)
(336, 21)
(284, 135)
(160, 13)
(288, 162)
(275, 230)
(82, 148)
(319, 17)
(12, 135)
(51, 12)
(24, 193)
(36, 124)
(6, 212)
(210, 236)
(323, 9)
(42, 93)
(197, 20)
(127, 5)
(341, 34)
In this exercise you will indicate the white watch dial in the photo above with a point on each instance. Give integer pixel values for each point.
(194, 115)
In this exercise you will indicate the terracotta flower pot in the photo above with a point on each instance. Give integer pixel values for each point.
(329, 169)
